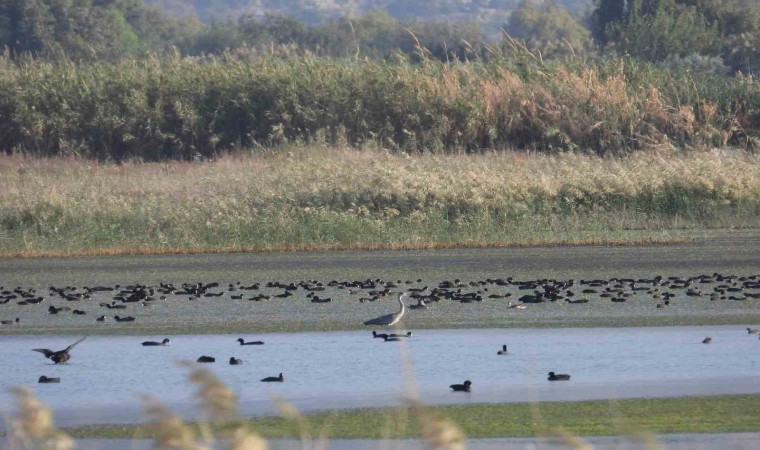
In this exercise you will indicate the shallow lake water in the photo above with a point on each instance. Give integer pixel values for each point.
(107, 375)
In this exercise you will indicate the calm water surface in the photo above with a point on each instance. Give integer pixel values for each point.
(107, 375)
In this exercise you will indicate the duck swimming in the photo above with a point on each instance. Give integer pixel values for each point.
(242, 342)
(206, 359)
(44, 379)
(558, 376)
(279, 378)
(235, 362)
(408, 334)
(166, 341)
(464, 387)
(503, 350)
(61, 356)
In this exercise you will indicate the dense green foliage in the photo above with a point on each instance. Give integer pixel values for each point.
(657, 29)
(86, 29)
(548, 28)
(111, 79)
(182, 108)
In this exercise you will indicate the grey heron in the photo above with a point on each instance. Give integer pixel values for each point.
(392, 318)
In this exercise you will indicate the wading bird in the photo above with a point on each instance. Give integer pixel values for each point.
(392, 318)
(59, 357)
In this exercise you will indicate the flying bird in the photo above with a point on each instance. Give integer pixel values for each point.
(59, 357)
(392, 318)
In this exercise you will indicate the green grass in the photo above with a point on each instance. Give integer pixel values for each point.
(714, 414)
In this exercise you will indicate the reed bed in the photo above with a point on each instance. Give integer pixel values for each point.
(185, 108)
(330, 197)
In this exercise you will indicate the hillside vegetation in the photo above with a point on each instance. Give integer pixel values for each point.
(491, 14)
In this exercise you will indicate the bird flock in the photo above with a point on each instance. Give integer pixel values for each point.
(512, 295)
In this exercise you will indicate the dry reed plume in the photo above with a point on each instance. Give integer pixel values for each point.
(343, 198)
(32, 428)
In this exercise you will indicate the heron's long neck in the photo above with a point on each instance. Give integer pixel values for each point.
(401, 303)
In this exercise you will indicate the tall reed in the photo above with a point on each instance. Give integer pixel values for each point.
(335, 197)
(186, 108)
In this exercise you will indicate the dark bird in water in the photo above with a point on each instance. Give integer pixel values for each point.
(243, 342)
(44, 379)
(753, 330)
(503, 350)
(17, 321)
(392, 318)
(59, 357)
(206, 359)
(707, 340)
(124, 319)
(101, 319)
(375, 334)
(558, 376)
(166, 341)
(464, 387)
(408, 334)
(235, 362)
(270, 379)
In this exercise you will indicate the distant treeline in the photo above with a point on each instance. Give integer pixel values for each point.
(116, 79)
(715, 36)
(184, 108)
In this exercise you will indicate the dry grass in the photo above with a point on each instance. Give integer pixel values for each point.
(339, 198)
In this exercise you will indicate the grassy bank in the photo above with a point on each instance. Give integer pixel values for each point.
(716, 414)
(182, 108)
(322, 198)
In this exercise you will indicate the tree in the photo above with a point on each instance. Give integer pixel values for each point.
(548, 27)
(653, 29)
